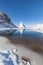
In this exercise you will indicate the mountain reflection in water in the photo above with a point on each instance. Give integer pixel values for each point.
(29, 39)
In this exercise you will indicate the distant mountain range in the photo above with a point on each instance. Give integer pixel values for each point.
(5, 22)
(37, 28)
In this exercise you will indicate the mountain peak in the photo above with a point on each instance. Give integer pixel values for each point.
(21, 25)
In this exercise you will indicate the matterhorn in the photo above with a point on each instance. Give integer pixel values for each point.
(21, 27)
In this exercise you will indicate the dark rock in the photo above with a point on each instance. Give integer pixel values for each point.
(5, 22)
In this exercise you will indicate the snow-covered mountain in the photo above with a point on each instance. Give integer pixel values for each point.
(21, 27)
(5, 22)
(38, 28)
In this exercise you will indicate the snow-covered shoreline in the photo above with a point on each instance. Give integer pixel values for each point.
(36, 58)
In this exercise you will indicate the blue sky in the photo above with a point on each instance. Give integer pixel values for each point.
(30, 12)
